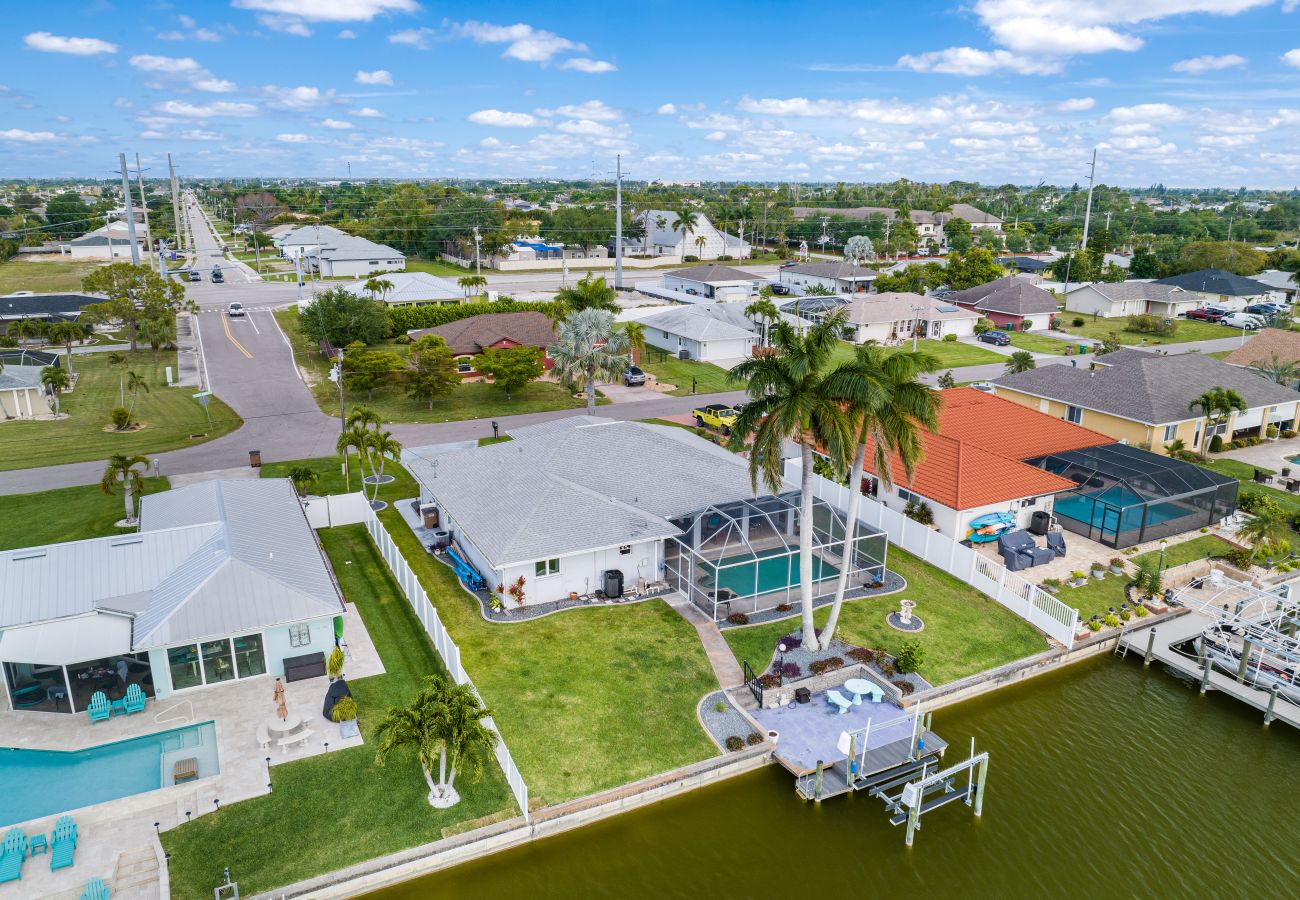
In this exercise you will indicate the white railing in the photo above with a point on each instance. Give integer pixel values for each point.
(446, 647)
(1025, 599)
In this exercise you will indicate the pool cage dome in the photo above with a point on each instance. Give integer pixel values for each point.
(743, 556)
(1127, 496)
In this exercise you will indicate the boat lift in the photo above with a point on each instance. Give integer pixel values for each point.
(931, 791)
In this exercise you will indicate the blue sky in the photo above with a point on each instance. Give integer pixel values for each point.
(1185, 92)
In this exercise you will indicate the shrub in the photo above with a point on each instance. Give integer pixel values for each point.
(1077, 321)
(822, 666)
(1142, 611)
(886, 665)
(690, 257)
(754, 739)
(1117, 562)
(904, 687)
(1216, 444)
(1052, 583)
(734, 743)
(951, 338)
(1094, 626)
(1288, 434)
(911, 656)
(1148, 324)
(791, 641)
(1110, 620)
(982, 325)
(862, 655)
(720, 706)
(783, 607)
(120, 416)
(738, 619)
(1125, 615)
(791, 670)
(919, 511)
(1239, 558)
(770, 680)
(334, 665)
(345, 710)
(724, 257)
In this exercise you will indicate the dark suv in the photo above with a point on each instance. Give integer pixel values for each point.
(1001, 338)
(633, 376)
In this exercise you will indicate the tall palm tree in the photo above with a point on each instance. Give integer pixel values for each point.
(466, 739)
(1217, 405)
(590, 349)
(355, 438)
(304, 478)
(1020, 361)
(685, 220)
(701, 242)
(635, 332)
(66, 333)
(764, 310)
(1281, 371)
(56, 381)
(791, 401)
(891, 409)
(469, 282)
(129, 470)
(591, 292)
(378, 287)
(135, 383)
(381, 446)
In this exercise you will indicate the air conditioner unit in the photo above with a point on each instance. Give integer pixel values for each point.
(683, 353)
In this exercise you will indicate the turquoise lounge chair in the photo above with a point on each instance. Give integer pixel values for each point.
(134, 699)
(95, 890)
(63, 843)
(99, 708)
(29, 695)
(12, 854)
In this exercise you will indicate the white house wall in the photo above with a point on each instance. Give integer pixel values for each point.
(954, 523)
(583, 573)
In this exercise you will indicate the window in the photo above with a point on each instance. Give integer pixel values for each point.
(300, 635)
(249, 657)
(906, 496)
(217, 662)
(545, 567)
(1171, 433)
(372, 262)
(1074, 414)
(625, 549)
(464, 366)
(1220, 429)
(184, 665)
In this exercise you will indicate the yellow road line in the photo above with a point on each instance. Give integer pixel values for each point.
(226, 325)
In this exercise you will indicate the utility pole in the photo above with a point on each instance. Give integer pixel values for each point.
(478, 240)
(130, 213)
(139, 178)
(618, 222)
(740, 250)
(1087, 210)
(176, 205)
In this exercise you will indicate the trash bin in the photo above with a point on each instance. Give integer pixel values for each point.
(255, 458)
(1083, 348)
(430, 514)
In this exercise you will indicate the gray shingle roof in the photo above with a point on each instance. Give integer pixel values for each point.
(576, 484)
(1217, 281)
(712, 273)
(1139, 290)
(703, 322)
(412, 287)
(832, 269)
(1147, 387)
(1009, 294)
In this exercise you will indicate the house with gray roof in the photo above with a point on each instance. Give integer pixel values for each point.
(1010, 302)
(56, 307)
(717, 282)
(708, 332)
(1110, 300)
(224, 581)
(837, 275)
(1282, 283)
(1221, 288)
(413, 289)
(894, 316)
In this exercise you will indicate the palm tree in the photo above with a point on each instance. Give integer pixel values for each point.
(443, 720)
(590, 349)
(686, 219)
(818, 290)
(1175, 447)
(469, 282)
(1217, 404)
(891, 408)
(156, 331)
(1276, 369)
(590, 293)
(1020, 361)
(66, 333)
(124, 469)
(381, 445)
(700, 242)
(56, 381)
(355, 438)
(764, 310)
(635, 332)
(135, 384)
(1268, 530)
(304, 478)
(791, 401)
(378, 287)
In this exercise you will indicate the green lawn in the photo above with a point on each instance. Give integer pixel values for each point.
(65, 514)
(709, 378)
(1188, 330)
(1220, 354)
(340, 808)
(437, 267)
(169, 416)
(44, 276)
(1096, 597)
(329, 471)
(951, 354)
(467, 401)
(1245, 472)
(965, 632)
(1036, 343)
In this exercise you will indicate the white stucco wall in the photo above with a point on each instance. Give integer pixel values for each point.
(582, 572)
(359, 267)
(954, 523)
(275, 643)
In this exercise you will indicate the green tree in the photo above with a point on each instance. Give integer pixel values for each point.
(157, 331)
(129, 472)
(589, 348)
(433, 373)
(134, 293)
(972, 267)
(378, 288)
(511, 368)
(66, 333)
(790, 401)
(56, 381)
(636, 345)
(1231, 256)
(1143, 264)
(589, 293)
(68, 216)
(1268, 529)
(380, 447)
(341, 317)
(890, 409)
(468, 284)
(946, 381)
(765, 311)
(585, 226)
(686, 220)
(304, 478)
(1020, 361)
(1277, 369)
(958, 233)
(1217, 405)
(365, 370)
(135, 383)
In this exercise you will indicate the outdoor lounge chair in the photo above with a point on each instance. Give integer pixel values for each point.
(1019, 551)
(12, 854)
(835, 698)
(1056, 542)
(135, 699)
(29, 695)
(99, 708)
(63, 843)
(95, 890)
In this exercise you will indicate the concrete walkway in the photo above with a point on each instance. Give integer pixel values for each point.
(1271, 455)
(725, 667)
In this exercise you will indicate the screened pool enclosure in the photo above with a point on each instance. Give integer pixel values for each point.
(743, 557)
(1127, 496)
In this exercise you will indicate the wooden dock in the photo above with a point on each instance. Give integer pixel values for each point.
(1171, 633)
(879, 765)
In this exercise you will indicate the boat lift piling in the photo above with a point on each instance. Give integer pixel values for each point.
(913, 796)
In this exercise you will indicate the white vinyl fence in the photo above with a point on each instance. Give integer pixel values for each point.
(447, 649)
(1027, 600)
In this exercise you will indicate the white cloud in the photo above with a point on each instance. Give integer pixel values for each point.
(1133, 128)
(836, 151)
(368, 112)
(347, 34)
(379, 76)
(1198, 65)
(982, 128)
(292, 138)
(588, 128)
(184, 67)
(207, 110)
(1225, 141)
(338, 124)
(1292, 58)
(19, 136)
(1076, 104)
(75, 46)
(716, 136)
(503, 119)
(330, 10)
(1146, 112)
(667, 109)
(523, 42)
(302, 97)
(970, 62)
(592, 109)
(296, 27)
(413, 37)
(590, 66)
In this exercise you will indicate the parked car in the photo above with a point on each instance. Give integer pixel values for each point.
(1208, 313)
(235, 310)
(1243, 320)
(195, 276)
(779, 287)
(1001, 338)
(1266, 309)
(985, 386)
(715, 415)
(633, 376)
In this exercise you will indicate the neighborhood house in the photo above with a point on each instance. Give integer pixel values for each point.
(1009, 302)
(713, 281)
(893, 317)
(840, 277)
(467, 338)
(1110, 300)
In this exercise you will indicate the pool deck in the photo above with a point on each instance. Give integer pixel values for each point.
(810, 731)
(116, 839)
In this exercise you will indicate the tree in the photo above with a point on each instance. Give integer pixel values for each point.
(790, 401)
(56, 381)
(947, 381)
(469, 282)
(890, 408)
(818, 290)
(258, 208)
(67, 216)
(957, 231)
(158, 331)
(685, 220)
(129, 470)
(589, 349)
(1277, 370)
(304, 478)
(1082, 265)
(66, 333)
(1233, 256)
(765, 311)
(859, 250)
(378, 288)
(1020, 361)
(135, 383)
(1143, 264)
(1268, 529)
(1216, 405)
(433, 373)
(134, 293)
(365, 370)
(700, 243)
(443, 720)
(341, 317)
(585, 226)
(355, 437)
(635, 332)
(590, 293)
(381, 446)
(972, 267)
(511, 368)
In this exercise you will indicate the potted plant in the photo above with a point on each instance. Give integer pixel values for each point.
(495, 602)
(1116, 565)
(516, 591)
(1098, 571)
(1078, 579)
(1051, 585)
(345, 713)
(334, 665)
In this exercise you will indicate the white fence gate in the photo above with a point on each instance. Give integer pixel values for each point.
(1027, 600)
(447, 649)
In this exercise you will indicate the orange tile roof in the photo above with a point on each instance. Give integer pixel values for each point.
(1009, 429)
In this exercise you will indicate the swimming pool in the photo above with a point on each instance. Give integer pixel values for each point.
(45, 782)
(775, 572)
(1115, 509)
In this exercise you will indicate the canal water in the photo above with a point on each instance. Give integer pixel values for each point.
(1106, 780)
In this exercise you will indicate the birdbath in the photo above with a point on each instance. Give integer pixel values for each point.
(903, 620)
(905, 608)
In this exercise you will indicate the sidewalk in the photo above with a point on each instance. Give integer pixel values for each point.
(725, 667)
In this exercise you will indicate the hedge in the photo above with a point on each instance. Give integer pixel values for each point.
(403, 318)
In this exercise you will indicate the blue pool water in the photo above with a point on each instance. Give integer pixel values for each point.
(776, 572)
(1093, 508)
(39, 783)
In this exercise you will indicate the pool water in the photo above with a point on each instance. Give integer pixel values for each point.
(41, 783)
(1124, 512)
(776, 572)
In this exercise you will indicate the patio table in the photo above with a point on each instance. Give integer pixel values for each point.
(277, 726)
(117, 707)
(859, 687)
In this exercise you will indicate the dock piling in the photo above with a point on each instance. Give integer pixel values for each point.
(1245, 661)
(1205, 674)
(1151, 647)
(817, 789)
(1272, 699)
